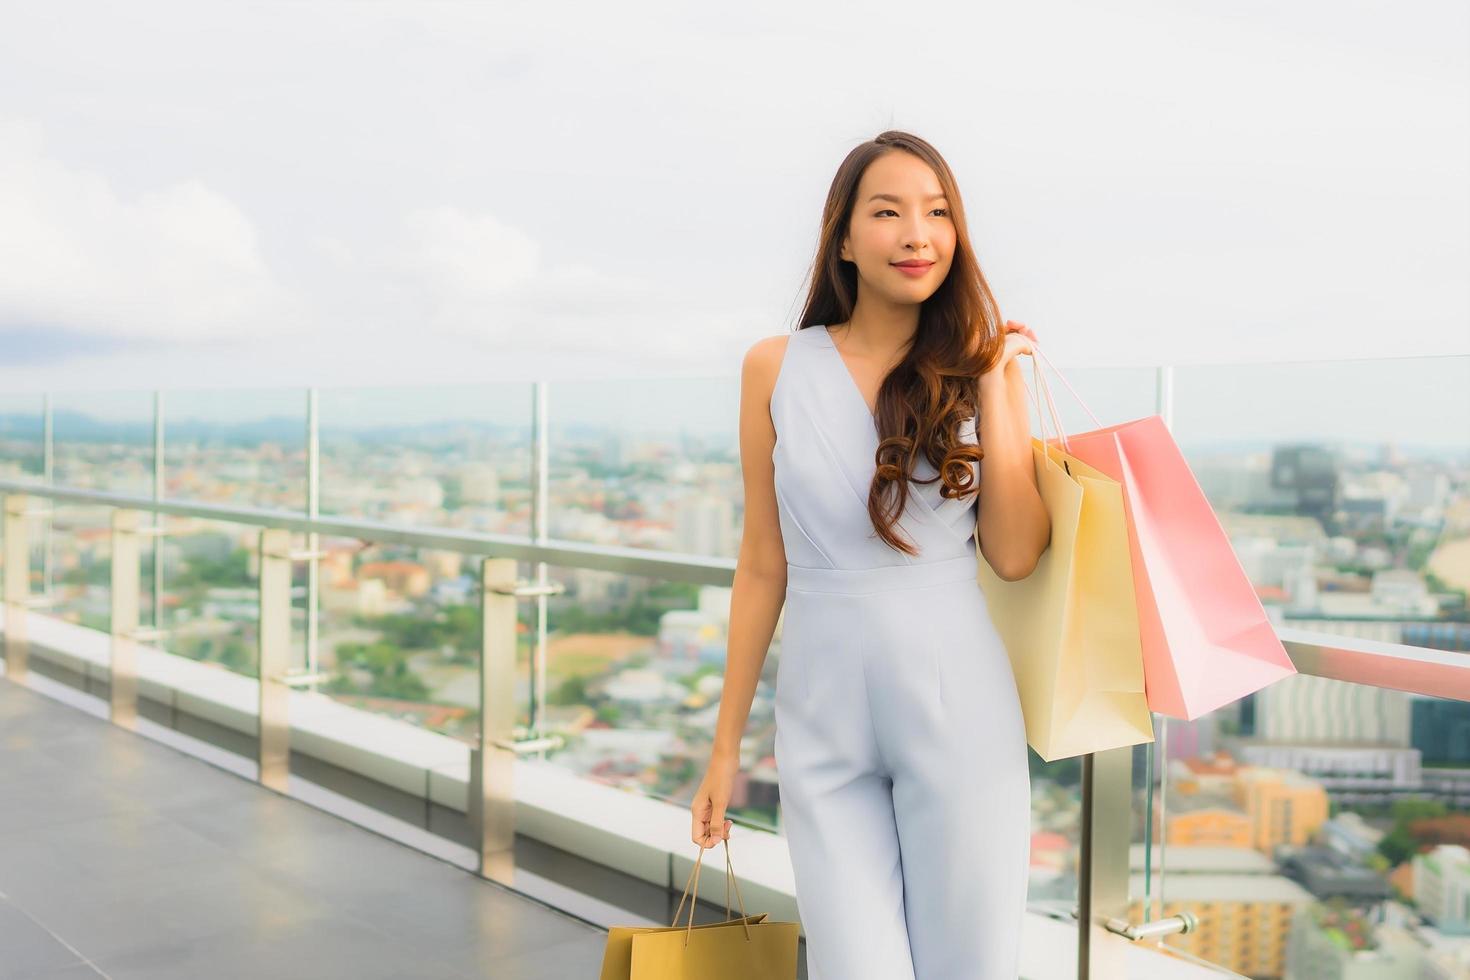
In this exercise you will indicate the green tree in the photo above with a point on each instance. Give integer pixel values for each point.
(1400, 844)
(573, 690)
(389, 668)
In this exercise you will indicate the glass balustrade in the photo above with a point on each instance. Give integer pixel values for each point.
(22, 437)
(649, 464)
(1308, 835)
(1293, 823)
(1283, 821)
(450, 456)
(103, 440)
(245, 449)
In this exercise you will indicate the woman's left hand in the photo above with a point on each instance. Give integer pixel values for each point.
(1018, 340)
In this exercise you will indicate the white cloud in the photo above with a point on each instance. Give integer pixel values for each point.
(177, 263)
(437, 190)
(460, 254)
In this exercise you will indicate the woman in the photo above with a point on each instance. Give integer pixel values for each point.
(900, 747)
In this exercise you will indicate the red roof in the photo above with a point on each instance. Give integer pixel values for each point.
(1221, 764)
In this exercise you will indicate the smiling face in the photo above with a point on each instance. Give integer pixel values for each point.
(900, 215)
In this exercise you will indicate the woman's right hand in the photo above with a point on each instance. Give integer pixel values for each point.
(710, 800)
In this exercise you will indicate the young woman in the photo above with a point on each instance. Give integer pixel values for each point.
(900, 747)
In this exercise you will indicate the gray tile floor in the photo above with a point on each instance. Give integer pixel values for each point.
(124, 858)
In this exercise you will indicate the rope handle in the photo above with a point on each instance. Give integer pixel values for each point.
(1041, 389)
(1038, 389)
(1041, 386)
(1037, 349)
(694, 880)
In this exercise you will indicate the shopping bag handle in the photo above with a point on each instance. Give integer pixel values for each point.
(1038, 388)
(694, 878)
(1036, 349)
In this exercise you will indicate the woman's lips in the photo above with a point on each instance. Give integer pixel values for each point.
(913, 271)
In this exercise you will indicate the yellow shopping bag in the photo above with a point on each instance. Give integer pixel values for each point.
(746, 948)
(1071, 626)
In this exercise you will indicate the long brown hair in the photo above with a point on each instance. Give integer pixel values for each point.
(926, 397)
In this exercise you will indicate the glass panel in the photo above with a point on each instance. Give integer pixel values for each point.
(634, 671)
(22, 460)
(400, 630)
(1343, 487)
(81, 566)
(211, 597)
(246, 448)
(103, 440)
(1347, 514)
(1112, 394)
(654, 464)
(450, 456)
(21, 437)
(1056, 834)
(1333, 836)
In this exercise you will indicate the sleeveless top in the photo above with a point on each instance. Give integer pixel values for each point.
(825, 443)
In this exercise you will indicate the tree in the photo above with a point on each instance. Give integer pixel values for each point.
(573, 690)
(1402, 843)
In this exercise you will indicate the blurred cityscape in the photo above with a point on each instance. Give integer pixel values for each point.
(1319, 828)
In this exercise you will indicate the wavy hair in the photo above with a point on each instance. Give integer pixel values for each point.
(925, 399)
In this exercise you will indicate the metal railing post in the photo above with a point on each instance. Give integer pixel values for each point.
(540, 530)
(1165, 408)
(1102, 872)
(17, 586)
(492, 804)
(313, 539)
(122, 625)
(48, 462)
(156, 613)
(491, 809)
(273, 662)
(273, 735)
(124, 631)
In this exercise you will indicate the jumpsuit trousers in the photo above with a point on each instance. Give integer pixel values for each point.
(900, 746)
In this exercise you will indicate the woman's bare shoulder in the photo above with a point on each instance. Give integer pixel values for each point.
(766, 352)
(763, 360)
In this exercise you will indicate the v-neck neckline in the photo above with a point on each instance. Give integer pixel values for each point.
(852, 382)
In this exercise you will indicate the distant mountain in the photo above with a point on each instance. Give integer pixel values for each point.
(72, 426)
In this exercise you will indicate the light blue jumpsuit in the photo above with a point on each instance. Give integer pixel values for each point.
(900, 746)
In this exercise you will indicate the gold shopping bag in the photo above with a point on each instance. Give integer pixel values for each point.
(1071, 626)
(745, 948)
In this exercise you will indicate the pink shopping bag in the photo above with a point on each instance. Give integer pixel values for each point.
(1206, 638)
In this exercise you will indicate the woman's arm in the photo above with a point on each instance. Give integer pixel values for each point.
(1014, 526)
(760, 571)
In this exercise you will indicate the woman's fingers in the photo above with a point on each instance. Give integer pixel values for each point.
(1020, 329)
(700, 831)
(1015, 326)
(699, 828)
(703, 836)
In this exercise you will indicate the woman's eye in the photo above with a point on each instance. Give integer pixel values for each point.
(943, 211)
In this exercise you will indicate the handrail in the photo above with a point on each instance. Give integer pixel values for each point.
(1396, 666)
(668, 566)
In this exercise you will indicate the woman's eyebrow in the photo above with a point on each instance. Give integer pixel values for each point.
(898, 200)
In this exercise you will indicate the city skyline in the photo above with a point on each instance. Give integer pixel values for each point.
(1408, 401)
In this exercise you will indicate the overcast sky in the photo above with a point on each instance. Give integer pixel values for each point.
(201, 195)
